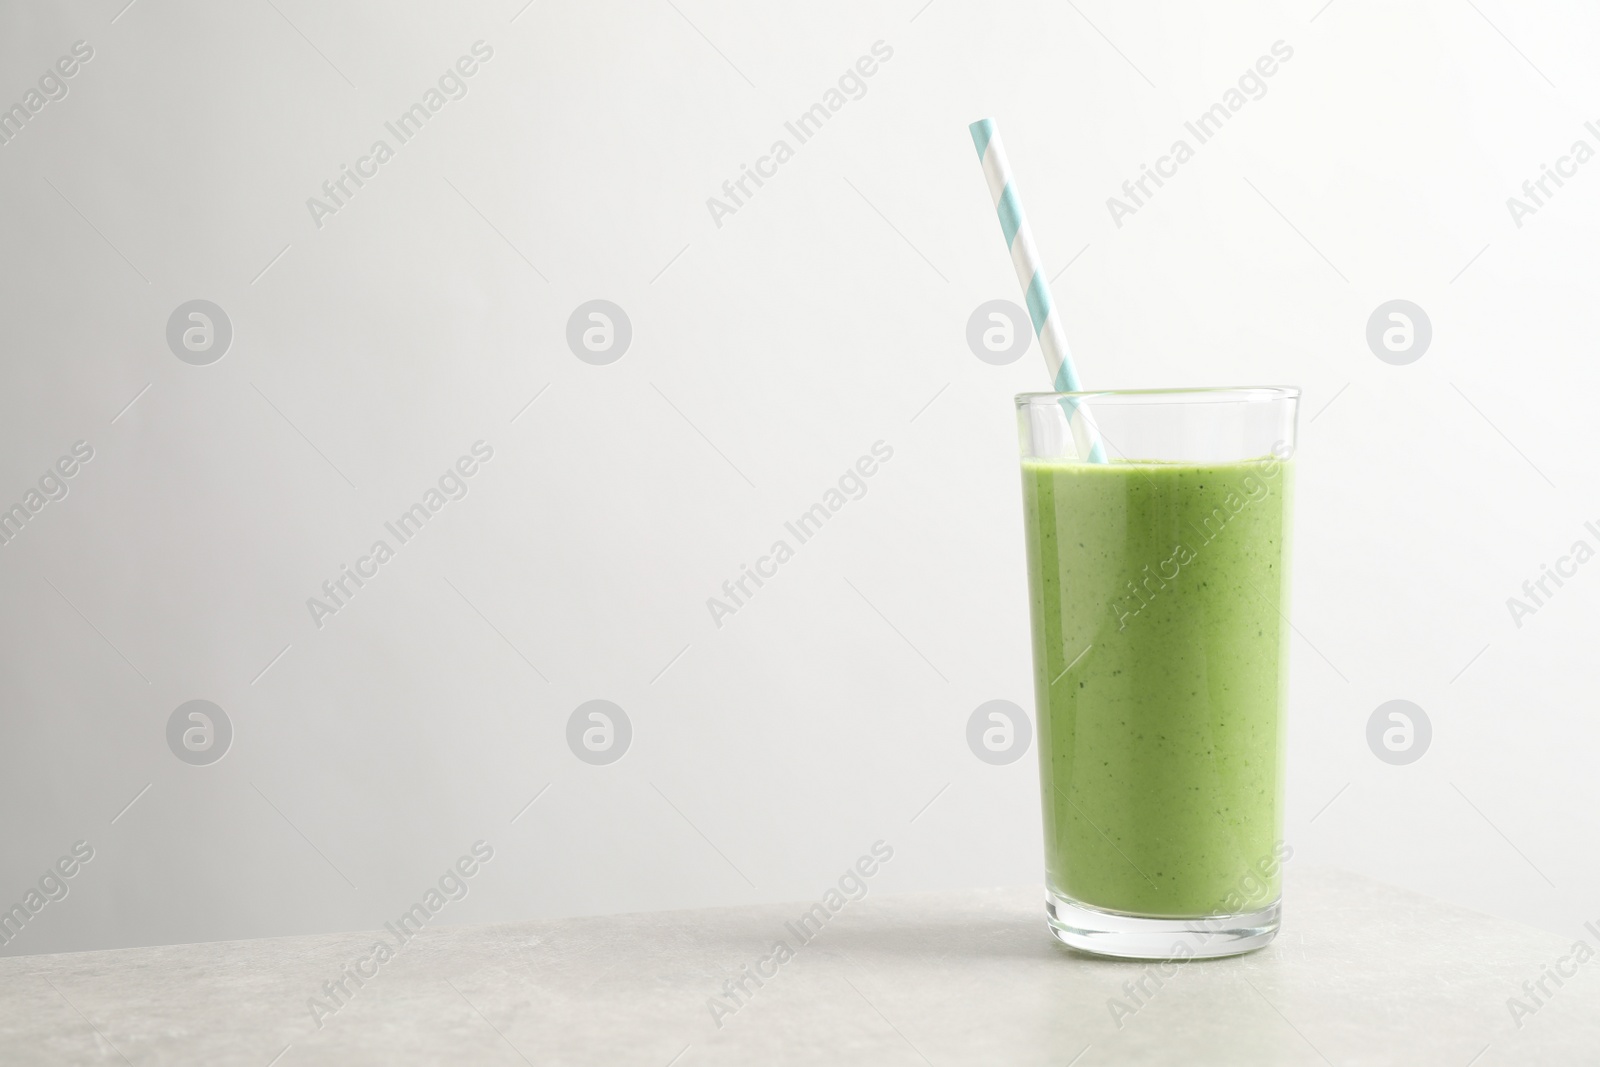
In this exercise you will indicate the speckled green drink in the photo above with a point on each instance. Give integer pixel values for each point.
(1158, 597)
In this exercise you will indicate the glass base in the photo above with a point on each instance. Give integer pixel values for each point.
(1136, 937)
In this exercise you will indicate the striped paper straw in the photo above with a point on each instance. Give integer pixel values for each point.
(1030, 274)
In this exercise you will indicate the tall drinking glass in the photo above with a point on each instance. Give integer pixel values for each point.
(1158, 583)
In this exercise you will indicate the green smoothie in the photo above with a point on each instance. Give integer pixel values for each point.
(1158, 593)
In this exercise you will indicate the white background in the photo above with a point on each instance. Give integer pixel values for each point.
(768, 354)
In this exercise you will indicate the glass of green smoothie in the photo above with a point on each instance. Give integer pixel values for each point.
(1158, 583)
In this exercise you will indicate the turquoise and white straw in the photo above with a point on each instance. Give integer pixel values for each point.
(1030, 273)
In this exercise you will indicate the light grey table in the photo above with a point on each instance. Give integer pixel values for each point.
(1363, 973)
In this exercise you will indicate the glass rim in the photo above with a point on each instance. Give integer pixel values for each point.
(1224, 394)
